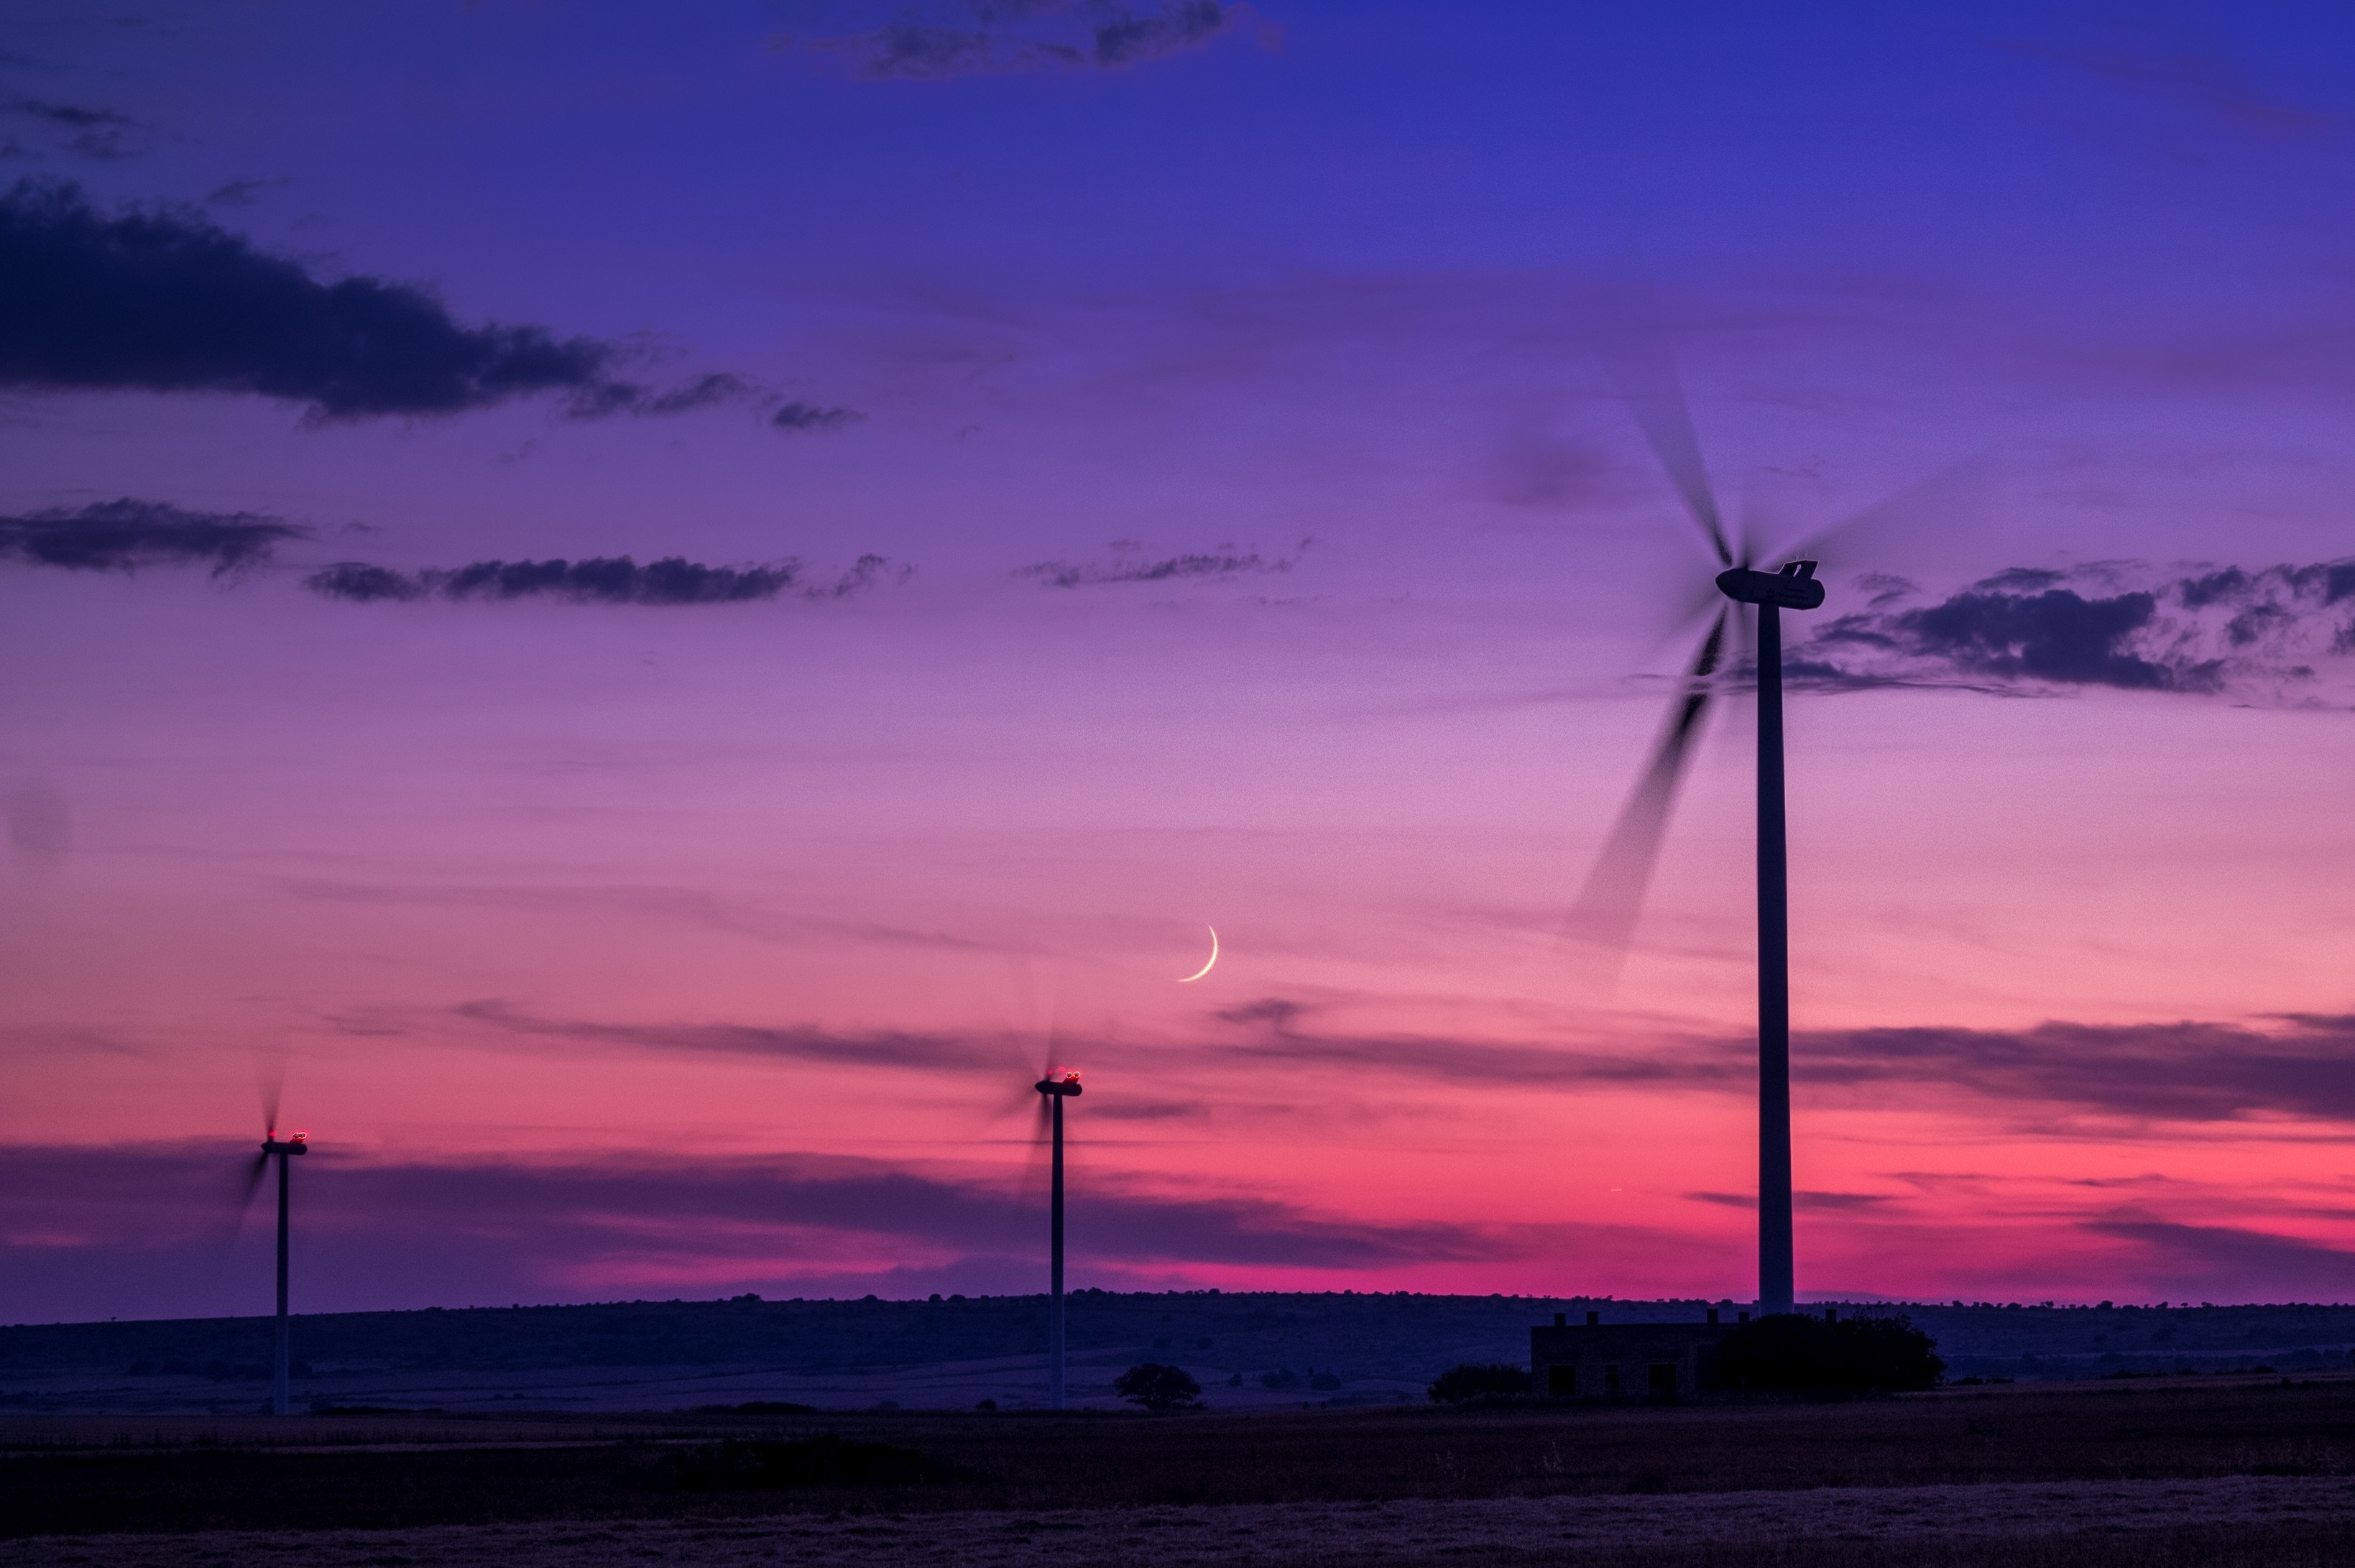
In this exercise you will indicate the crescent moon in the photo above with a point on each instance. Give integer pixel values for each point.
(1214, 958)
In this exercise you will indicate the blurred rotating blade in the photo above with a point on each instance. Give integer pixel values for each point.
(224, 1231)
(1020, 1062)
(1019, 1066)
(270, 1081)
(1604, 914)
(1633, 349)
(253, 1175)
(1928, 512)
(1042, 1134)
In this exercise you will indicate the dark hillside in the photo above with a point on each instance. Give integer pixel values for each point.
(1343, 1348)
(813, 1334)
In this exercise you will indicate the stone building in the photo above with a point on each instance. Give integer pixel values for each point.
(1623, 1360)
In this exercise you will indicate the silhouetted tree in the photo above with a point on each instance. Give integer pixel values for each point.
(1157, 1387)
(1470, 1380)
(1795, 1353)
(1890, 1353)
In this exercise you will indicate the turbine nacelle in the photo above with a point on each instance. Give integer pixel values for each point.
(1066, 1084)
(1793, 588)
(295, 1143)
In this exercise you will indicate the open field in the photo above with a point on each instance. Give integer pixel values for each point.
(2187, 1470)
(2122, 1521)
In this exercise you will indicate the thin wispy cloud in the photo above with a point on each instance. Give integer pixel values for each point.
(1130, 563)
(75, 116)
(90, 132)
(245, 192)
(2144, 57)
(125, 535)
(881, 1048)
(794, 417)
(945, 38)
(163, 300)
(600, 579)
(1494, 1064)
(686, 906)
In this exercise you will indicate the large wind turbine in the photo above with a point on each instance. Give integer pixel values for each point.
(1607, 908)
(274, 1146)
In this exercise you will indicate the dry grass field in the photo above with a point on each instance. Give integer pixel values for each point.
(2194, 1473)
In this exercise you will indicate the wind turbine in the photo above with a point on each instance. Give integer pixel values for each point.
(1053, 1090)
(1054, 1087)
(274, 1146)
(1606, 912)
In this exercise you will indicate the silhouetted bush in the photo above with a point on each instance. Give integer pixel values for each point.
(1471, 1380)
(826, 1461)
(1157, 1387)
(1794, 1353)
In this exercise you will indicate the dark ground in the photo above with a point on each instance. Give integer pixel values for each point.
(96, 1474)
(2154, 1405)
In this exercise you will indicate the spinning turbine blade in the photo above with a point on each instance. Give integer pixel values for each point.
(222, 1244)
(269, 1078)
(253, 1175)
(1028, 1062)
(1634, 354)
(1608, 905)
(1015, 1102)
(1042, 1118)
(1947, 497)
(1034, 1165)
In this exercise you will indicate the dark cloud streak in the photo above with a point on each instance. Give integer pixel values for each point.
(2298, 1066)
(165, 301)
(2201, 1072)
(600, 579)
(2127, 625)
(575, 1210)
(1225, 562)
(101, 134)
(2229, 1263)
(794, 417)
(923, 1053)
(2190, 1072)
(125, 535)
(981, 38)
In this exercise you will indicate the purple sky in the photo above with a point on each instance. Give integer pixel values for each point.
(1129, 468)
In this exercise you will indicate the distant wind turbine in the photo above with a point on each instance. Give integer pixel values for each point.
(281, 1149)
(1054, 1086)
(1054, 1089)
